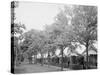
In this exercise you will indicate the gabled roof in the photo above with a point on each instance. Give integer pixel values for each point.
(89, 52)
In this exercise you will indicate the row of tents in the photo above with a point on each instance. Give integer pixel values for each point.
(73, 60)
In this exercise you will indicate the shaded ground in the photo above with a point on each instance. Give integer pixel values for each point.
(36, 68)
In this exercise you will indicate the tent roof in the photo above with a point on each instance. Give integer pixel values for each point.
(90, 52)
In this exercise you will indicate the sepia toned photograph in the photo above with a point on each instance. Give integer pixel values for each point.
(51, 37)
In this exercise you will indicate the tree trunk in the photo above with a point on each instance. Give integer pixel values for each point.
(30, 59)
(62, 58)
(36, 59)
(42, 62)
(87, 64)
(48, 58)
(16, 57)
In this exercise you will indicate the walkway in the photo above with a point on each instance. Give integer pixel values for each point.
(36, 68)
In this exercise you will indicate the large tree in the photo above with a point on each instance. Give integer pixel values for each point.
(60, 33)
(85, 23)
(16, 29)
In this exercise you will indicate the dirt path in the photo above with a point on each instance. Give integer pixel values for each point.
(35, 68)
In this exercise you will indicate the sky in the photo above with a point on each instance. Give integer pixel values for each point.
(36, 15)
